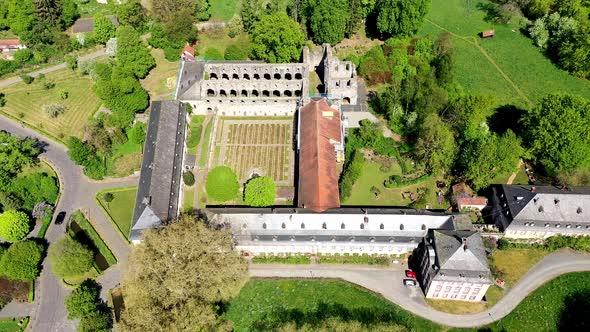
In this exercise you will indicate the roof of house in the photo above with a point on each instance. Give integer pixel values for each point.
(159, 182)
(87, 24)
(10, 42)
(472, 201)
(319, 128)
(188, 53)
(460, 254)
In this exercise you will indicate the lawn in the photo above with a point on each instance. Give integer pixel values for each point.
(161, 81)
(120, 210)
(125, 159)
(92, 7)
(559, 305)
(25, 103)
(205, 144)
(188, 199)
(194, 133)
(268, 304)
(13, 324)
(373, 176)
(218, 38)
(515, 263)
(223, 10)
(507, 66)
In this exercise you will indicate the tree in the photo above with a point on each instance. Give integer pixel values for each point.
(260, 191)
(69, 258)
(188, 178)
(132, 53)
(251, 11)
(400, 17)
(137, 133)
(69, 13)
(48, 12)
(78, 151)
(177, 17)
(14, 225)
(21, 261)
(329, 21)
(2, 99)
(177, 274)
(574, 53)
(108, 197)
(9, 202)
(21, 16)
(276, 38)
(436, 145)
(131, 13)
(27, 79)
(222, 184)
(34, 188)
(71, 61)
(235, 26)
(15, 153)
(104, 29)
(235, 52)
(83, 300)
(558, 133)
(53, 110)
(96, 321)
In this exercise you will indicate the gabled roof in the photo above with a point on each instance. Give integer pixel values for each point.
(460, 250)
(10, 42)
(319, 129)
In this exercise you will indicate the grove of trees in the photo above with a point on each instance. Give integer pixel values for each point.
(84, 302)
(178, 276)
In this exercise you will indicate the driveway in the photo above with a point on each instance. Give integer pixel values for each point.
(388, 283)
(77, 193)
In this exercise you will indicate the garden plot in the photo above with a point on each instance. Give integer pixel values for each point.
(257, 146)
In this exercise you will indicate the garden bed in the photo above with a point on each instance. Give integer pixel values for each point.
(354, 259)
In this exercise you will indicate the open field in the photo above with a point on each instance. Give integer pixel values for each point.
(218, 38)
(514, 263)
(120, 210)
(25, 102)
(507, 66)
(161, 81)
(125, 159)
(263, 147)
(13, 324)
(224, 10)
(268, 304)
(373, 176)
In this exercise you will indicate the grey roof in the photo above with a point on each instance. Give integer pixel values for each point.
(159, 182)
(190, 75)
(460, 254)
(87, 24)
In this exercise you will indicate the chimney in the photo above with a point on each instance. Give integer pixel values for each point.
(533, 189)
(464, 244)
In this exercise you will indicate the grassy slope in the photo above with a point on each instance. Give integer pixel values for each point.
(121, 208)
(515, 263)
(29, 100)
(162, 79)
(288, 300)
(524, 64)
(223, 10)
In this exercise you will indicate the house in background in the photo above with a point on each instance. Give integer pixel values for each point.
(464, 198)
(85, 25)
(9, 46)
(452, 265)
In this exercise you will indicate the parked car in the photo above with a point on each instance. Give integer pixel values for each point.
(410, 274)
(410, 283)
(60, 218)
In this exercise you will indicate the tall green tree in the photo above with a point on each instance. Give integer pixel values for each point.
(260, 191)
(15, 153)
(48, 12)
(436, 145)
(83, 300)
(251, 11)
(277, 39)
(330, 21)
(14, 225)
(131, 13)
(178, 16)
(137, 133)
(104, 29)
(21, 261)
(69, 258)
(558, 133)
(400, 17)
(69, 12)
(177, 274)
(132, 53)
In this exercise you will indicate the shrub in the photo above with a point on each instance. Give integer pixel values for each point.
(54, 110)
(23, 56)
(34, 188)
(71, 61)
(7, 67)
(96, 321)
(222, 184)
(2, 99)
(286, 259)
(64, 94)
(69, 258)
(395, 181)
(14, 225)
(354, 259)
(260, 191)
(27, 78)
(83, 300)
(21, 261)
(188, 178)
(47, 85)
(351, 173)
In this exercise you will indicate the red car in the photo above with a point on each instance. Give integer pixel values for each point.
(410, 274)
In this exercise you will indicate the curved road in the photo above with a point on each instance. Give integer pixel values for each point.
(389, 284)
(77, 192)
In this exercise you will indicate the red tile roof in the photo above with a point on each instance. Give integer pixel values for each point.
(188, 53)
(10, 42)
(318, 173)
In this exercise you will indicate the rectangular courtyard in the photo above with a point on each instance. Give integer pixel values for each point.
(262, 146)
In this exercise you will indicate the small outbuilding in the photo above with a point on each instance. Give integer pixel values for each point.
(488, 33)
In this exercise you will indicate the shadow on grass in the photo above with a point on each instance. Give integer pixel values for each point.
(366, 316)
(575, 315)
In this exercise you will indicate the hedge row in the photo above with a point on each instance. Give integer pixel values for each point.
(79, 218)
(354, 259)
(287, 259)
(352, 172)
(395, 181)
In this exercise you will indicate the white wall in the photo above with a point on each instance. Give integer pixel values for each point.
(458, 291)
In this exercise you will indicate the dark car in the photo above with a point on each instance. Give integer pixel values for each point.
(410, 274)
(60, 218)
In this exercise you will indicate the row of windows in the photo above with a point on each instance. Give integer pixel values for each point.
(454, 296)
(267, 76)
(253, 93)
(342, 226)
(466, 290)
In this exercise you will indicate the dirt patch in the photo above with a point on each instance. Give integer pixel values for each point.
(13, 290)
(126, 164)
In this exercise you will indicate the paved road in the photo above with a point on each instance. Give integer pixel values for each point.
(14, 80)
(77, 193)
(388, 284)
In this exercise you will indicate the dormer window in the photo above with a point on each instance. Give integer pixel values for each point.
(324, 226)
(381, 226)
(423, 227)
(302, 226)
(283, 226)
(342, 226)
(401, 227)
(579, 210)
(362, 226)
(541, 209)
(264, 226)
(556, 201)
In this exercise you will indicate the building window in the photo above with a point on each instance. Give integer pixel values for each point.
(463, 297)
(324, 226)
(448, 289)
(438, 288)
(401, 227)
(264, 225)
(457, 289)
(362, 226)
(381, 226)
(283, 226)
(466, 290)
(472, 298)
(302, 226)
(435, 295)
(454, 296)
(444, 296)
(475, 291)
(423, 227)
(342, 226)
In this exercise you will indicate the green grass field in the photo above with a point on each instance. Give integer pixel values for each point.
(25, 102)
(125, 159)
(13, 324)
(268, 304)
(373, 176)
(194, 134)
(224, 10)
(218, 38)
(120, 210)
(205, 144)
(161, 81)
(188, 198)
(507, 66)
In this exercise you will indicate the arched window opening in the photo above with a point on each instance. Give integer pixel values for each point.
(222, 93)
(213, 76)
(277, 76)
(267, 76)
(401, 227)
(255, 93)
(298, 76)
(288, 76)
(342, 226)
(324, 226)
(381, 226)
(233, 93)
(276, 93)
(224, 77)
(423, 227)
(210, 93)
(288, 93)
(266, 93)
(362, 226)
(283, 226)
(297, 93)
(302, 226)
(235, 76)
(246, 77)
(256, 76)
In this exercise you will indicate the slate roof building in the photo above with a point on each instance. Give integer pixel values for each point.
(321, 153)
(453, 265)
(382, 231)
(537, 212)
(158, 193)
(83, 25)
